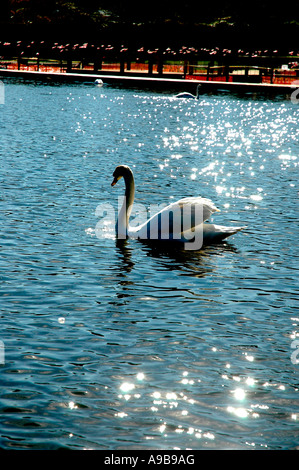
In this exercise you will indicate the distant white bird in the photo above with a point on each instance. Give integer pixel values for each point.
(171, 222)
(187, 95)
(98, 82)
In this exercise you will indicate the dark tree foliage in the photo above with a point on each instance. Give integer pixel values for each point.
(130, 11)
(257, 21)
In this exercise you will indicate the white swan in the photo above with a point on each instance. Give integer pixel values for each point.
(98, 82)
(181, 221)
(185, 94)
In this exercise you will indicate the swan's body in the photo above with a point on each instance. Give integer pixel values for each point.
(181, 221)
(187, 95)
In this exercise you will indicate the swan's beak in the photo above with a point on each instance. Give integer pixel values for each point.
(114, 181)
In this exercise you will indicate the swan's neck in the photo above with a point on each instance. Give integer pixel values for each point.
(127, 204)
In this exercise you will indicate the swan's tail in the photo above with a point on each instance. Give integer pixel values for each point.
(214, 233)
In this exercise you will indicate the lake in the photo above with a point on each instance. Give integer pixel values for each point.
(109, 345)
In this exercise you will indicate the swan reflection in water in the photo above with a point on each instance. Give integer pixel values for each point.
(173, 256)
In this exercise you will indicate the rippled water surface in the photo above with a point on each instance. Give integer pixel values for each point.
(131, 346)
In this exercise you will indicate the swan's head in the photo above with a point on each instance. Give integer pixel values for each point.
(120, 172)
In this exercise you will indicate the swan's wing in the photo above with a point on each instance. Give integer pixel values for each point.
(205, 208)
(175, 220)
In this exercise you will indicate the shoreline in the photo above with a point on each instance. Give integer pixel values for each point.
(137, 79)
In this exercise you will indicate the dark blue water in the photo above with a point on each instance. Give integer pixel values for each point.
(130, 346)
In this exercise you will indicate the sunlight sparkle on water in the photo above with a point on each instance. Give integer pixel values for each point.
(127, 387)
(72, 405)
(249, 358)
(256, 197)
(121, 414)
(250, 381)
(239, 394)
(162, 428)
(240, 412)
